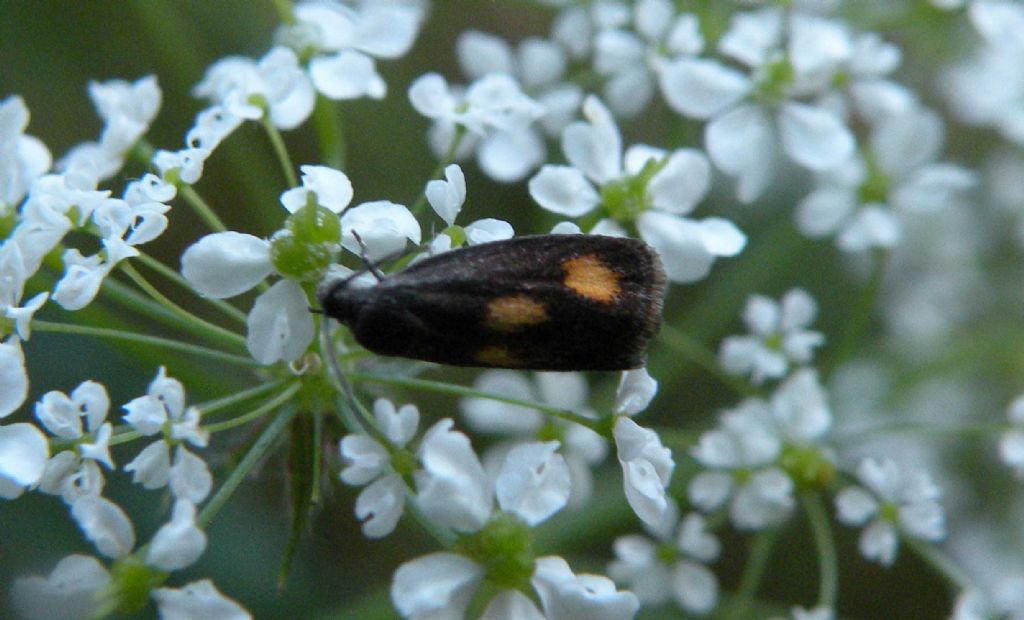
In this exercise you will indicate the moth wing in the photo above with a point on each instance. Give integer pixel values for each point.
(551, 302)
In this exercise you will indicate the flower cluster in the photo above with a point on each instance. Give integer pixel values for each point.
(859, 178)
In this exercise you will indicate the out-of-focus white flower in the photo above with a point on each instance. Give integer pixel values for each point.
(895, 502)
(779, 337)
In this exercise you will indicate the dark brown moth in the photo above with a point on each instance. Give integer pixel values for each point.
(544, 302)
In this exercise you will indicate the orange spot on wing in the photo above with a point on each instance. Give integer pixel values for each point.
(589, 277)
(497, 355)
(513, 312)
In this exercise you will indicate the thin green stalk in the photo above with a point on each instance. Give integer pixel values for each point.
(438, 172)
(825, 545)
(256, 413)
(682, 343)
(199, 325)
(760, 553)
(256, 452)
(939, 562)
(458, 390)
(203, 210)
(215, 406)
(281, 151)
(175, 277)
(167, 343)
(329, 133)
(860, 317)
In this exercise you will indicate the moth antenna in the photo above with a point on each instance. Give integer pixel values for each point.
(370, 265)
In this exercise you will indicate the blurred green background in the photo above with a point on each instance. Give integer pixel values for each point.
(50, 50)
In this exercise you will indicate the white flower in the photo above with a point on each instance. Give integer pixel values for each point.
(1004, 600)
(493, 102)
(13, 377)
(381, 504)
(894, 502)
(199, 599)
(276, 85)
(331, 188)
(1011, 444)
(630, 58)
(643, 565)
(383, 226)
(23, 158)
(488, 230)
(539, 65)
(740, 458)
(646, 468)
(636, 391)
(347, 39)
(69, 591)
(582, 447)
(533, 482)
(179, 542)
(453, 489)
(437, 585)
(280, 326)
(105, 524)
(566, 595)
(226, 264)
(162, 410)
(675, 183)
(861, 204)
(23, 455)
(447, 197)
(743, 136)
(779, 337)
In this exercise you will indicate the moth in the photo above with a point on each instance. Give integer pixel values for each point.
(543, 302)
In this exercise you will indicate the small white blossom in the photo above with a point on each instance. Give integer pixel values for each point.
(381, 504)
(69, 591)
(331, 187)
(226, 264)
(199, 599)
(447, 197)
(566, 595)
(13, 377)
(645, 566)
(894, 502)
(582, 448)
(384, 227)
(436, 585)
(179, 542)
(636, 391)
(23, 158)
(105, 524)
(23, 455)
(646, 468)
(779, 337)
(740, 457)
(275, 85)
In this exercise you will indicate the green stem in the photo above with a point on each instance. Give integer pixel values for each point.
(825, 544)
(438, 172)
(117, 334)
(859, 318)
(939, 562)
(212, 407)
(203, 210)
(760, 553)
(280, 150)
(682, 343)
(256, 452)
(198, 325)
(458, 390)
(175, 277)
(256, 413)
(329, 133)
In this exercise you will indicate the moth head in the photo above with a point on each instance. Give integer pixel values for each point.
(342, 297)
